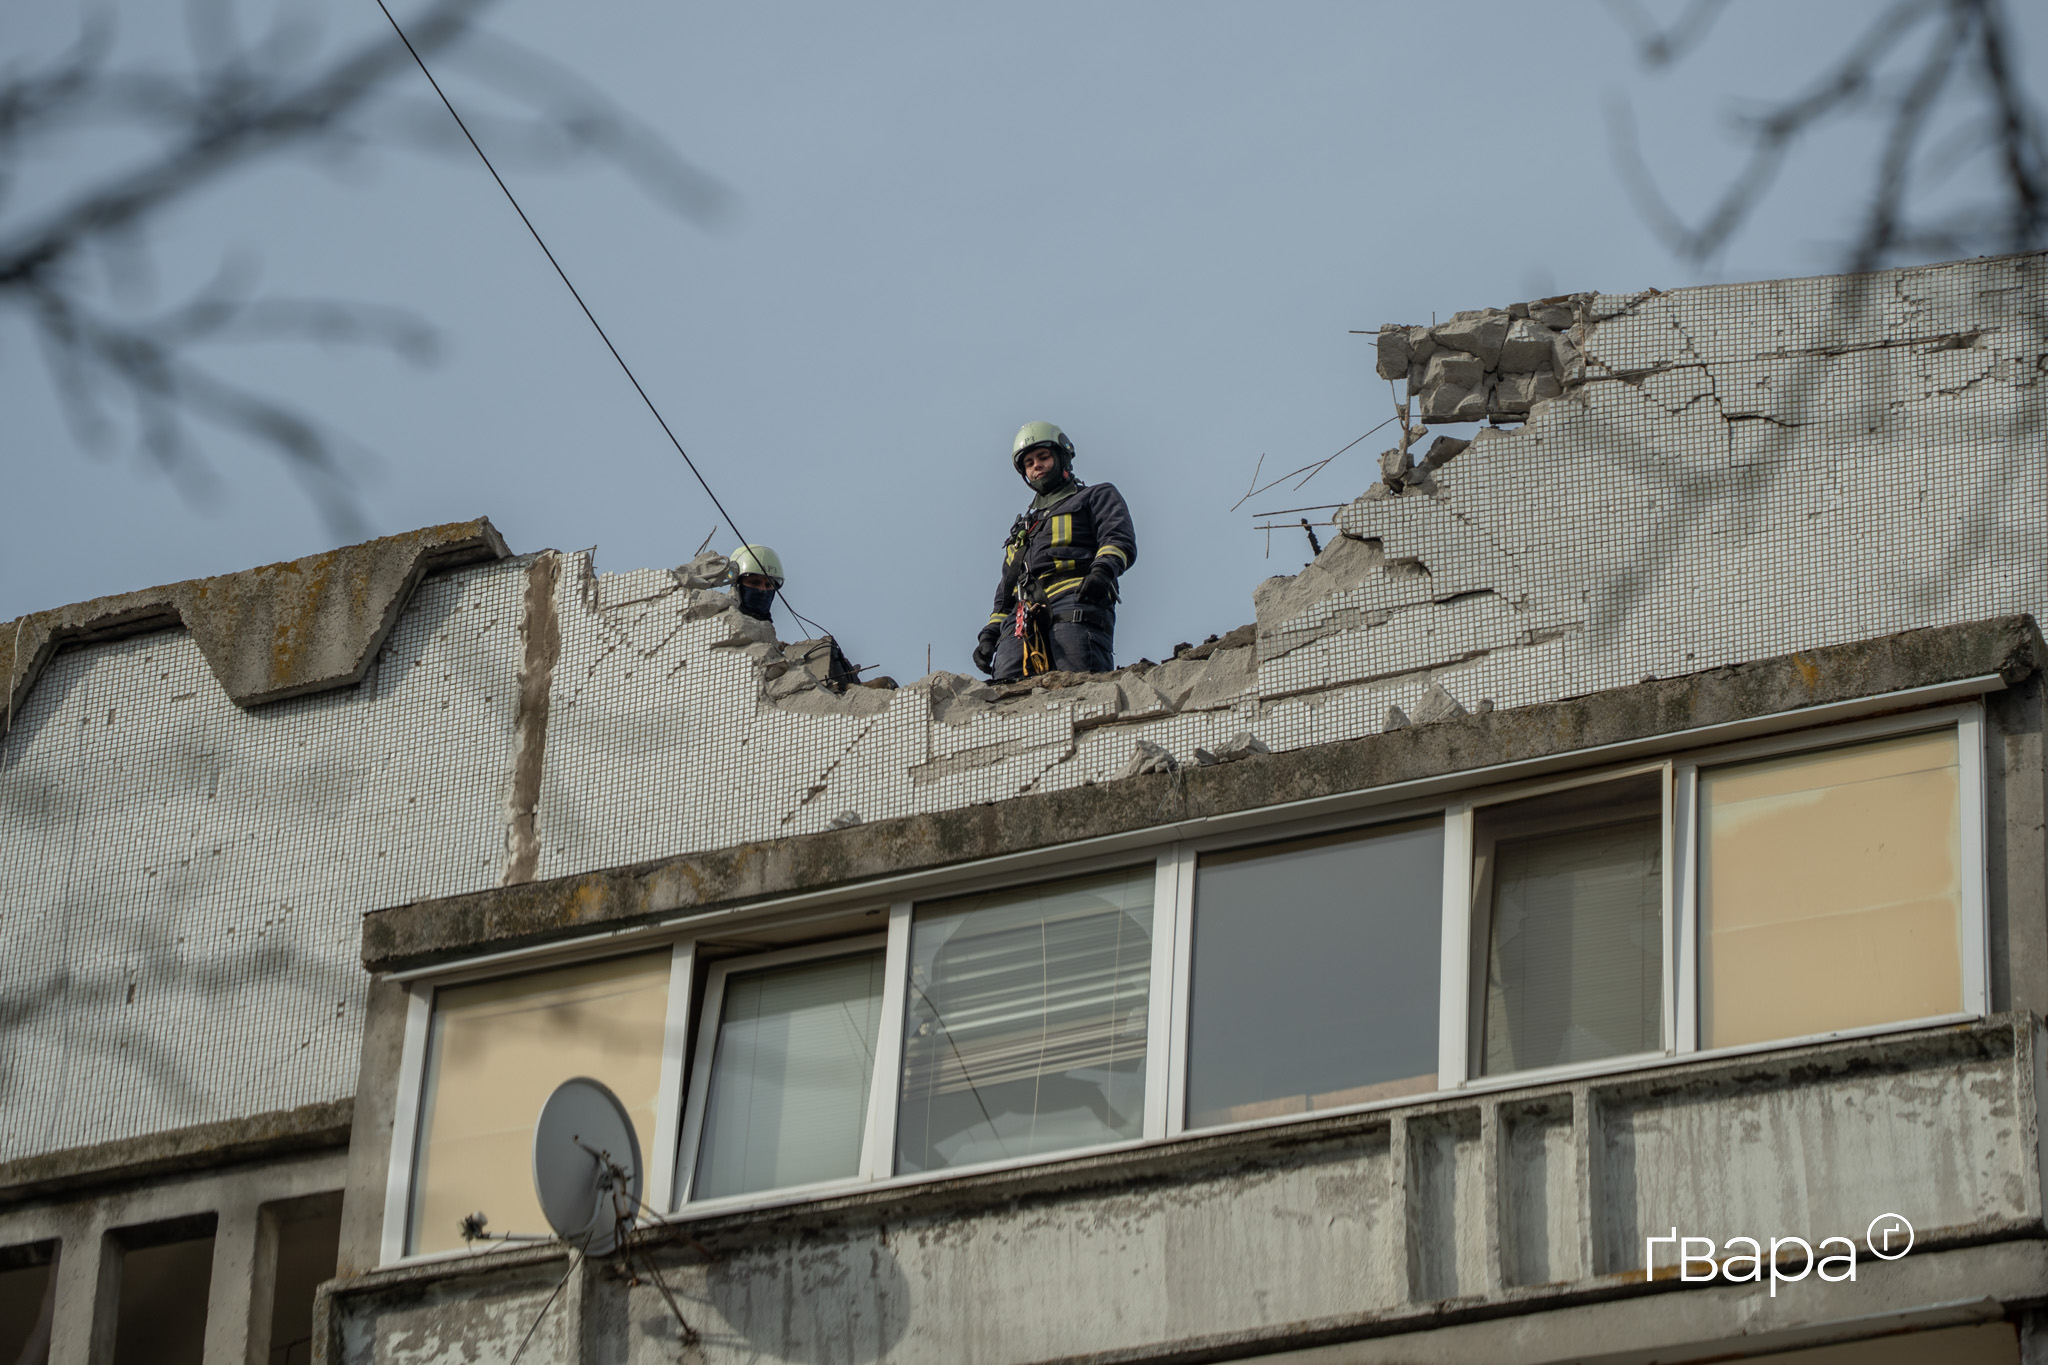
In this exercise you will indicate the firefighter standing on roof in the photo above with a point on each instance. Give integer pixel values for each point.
(1055, 605)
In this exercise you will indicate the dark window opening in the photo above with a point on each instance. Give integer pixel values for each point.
(165, 1274)
(28, 1299)
(308, 1240)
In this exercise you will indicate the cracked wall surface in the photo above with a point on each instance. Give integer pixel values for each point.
(1723, 474)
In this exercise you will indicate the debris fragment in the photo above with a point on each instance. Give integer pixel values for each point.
(1243, 744)
(1150, 758)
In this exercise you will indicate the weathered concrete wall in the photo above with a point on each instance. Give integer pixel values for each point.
(82, 1327)
(181, 879)
(1537, 1198)
(1730, 473)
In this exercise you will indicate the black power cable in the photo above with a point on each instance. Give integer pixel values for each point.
(602, 335)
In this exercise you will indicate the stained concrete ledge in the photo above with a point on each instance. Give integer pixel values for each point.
(427, 932)
(309, 1128)
(1348, 1227)
(268, 633)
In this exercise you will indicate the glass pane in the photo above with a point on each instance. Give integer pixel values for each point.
(495, 1052)
(1573, 887)
(1026, 1023)
(1315, 974)
(28, 1298)
(1831, 890)
(788, 1098)
(162, 1312)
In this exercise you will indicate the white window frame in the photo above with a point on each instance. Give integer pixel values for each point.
(1175, 851)
(873, 1163)
(1468, 932)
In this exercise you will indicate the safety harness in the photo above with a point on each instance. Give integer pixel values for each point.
(1028, 621)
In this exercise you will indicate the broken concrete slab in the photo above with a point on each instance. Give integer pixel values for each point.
(1148, 757)
(1391, 355)
(1479, 332)
(1436, 704)
(1526, 349)
(1241, 745)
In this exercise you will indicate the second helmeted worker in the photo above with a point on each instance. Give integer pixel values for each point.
(1055, 605)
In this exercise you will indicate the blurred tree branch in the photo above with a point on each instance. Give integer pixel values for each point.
(1914, 62)
(67, 263)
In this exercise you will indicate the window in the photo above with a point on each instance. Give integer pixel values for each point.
(165, 1275)
(1760, 891)
(1027, 1021)
(494, 1053)
(1570, 889)
(28, 1300)
(1831, 889)
(784, 1078)
(1314, 979)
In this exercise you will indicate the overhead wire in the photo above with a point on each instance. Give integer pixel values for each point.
(539, 241)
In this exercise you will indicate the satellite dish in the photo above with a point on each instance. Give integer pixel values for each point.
(586, 1165)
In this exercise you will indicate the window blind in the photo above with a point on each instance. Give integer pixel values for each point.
(1026, 1021)
(1831, 890)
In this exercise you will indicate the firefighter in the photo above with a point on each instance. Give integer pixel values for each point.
(1055, 605)
(756, 578)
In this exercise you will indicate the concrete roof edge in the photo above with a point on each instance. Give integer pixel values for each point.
(271, 632)
(312, 1127)
(426, 933)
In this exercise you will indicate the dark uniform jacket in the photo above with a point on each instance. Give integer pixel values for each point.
(1061, 542)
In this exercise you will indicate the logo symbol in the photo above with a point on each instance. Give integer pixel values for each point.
(1889, 1236)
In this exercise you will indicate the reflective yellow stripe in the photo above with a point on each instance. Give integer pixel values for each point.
(1113, 550)
(996, 618)
(1055, 589)
(1063, 530)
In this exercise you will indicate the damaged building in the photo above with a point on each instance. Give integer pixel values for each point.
(1618, 861)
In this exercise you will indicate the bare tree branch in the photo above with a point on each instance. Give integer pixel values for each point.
(1960, 61)
(240, 103)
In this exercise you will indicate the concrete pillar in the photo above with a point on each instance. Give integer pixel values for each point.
(227, 1298)
(82, 1243)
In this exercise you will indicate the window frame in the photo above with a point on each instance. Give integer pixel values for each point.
(1468, 931)
(1975, 948)
(683, 1177)
(1174, 850)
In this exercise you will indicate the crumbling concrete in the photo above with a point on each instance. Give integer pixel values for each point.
(1489, 362)
(1659, 713)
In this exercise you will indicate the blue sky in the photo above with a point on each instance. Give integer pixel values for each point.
(1155, 224)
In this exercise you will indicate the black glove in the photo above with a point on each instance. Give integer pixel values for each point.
(985, 652)
(1100, 585)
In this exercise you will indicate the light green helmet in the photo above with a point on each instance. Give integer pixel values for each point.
(1032, 435)
(757, 559)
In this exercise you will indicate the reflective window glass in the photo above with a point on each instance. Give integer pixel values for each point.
(1315, 976)
(1570, 890)
(1025, 1028)
(787, 1101)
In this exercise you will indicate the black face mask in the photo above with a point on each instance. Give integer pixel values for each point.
(1059, 475)
(755, 602)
